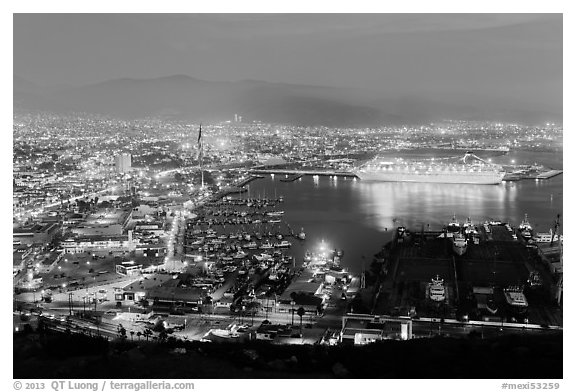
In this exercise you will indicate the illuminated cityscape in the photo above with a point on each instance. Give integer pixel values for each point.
(281, 250)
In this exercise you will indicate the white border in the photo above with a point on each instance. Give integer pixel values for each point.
(301, 6)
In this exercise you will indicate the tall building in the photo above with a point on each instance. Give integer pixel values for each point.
(123, 163)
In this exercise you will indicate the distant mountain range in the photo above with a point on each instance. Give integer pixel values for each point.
(188, 98)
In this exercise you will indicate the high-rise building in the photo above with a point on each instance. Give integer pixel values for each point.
(123, 163)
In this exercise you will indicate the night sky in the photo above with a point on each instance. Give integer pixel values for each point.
(449, 56)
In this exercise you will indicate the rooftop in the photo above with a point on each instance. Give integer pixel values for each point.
(107, 217)
(302, 284)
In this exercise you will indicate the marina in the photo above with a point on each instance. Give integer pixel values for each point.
(239, 250)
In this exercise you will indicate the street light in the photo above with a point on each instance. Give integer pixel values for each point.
(292, 303)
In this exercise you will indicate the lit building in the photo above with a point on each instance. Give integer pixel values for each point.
(123, 163)
(360, 329)
(36, 234)
(99, 244)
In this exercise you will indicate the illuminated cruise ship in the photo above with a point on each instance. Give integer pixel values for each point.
(466, 170)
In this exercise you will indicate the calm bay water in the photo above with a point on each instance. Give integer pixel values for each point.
(359, 217)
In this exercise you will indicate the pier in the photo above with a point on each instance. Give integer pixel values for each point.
(526, 172)
(549, 174)
(248, 180)
(496, 261)
(301, 173)
(291, 178)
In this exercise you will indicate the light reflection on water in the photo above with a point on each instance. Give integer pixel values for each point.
(359, 216)
(414, 204)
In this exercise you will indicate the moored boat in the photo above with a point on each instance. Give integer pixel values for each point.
(283, 244)
(453, 225)
(436, 290)
(302, 234)
(459, 244)
(525, 228)
(516, 299)
(469, 169)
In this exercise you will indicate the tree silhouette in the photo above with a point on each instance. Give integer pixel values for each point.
(121, 332)
(301, 312)
(147, 333)
(163, 336)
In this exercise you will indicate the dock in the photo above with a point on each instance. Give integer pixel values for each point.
(301, 173)
(248, 180)
(292, 177)
(497, 261)
(549, 174)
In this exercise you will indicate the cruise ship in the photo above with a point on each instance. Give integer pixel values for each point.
(469, 169)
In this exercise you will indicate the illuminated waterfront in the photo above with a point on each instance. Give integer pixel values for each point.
(359, 216)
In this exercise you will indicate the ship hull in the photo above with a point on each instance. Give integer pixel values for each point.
(459, 250)
(442, 178)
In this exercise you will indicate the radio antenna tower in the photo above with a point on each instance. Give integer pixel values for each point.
(201, 154)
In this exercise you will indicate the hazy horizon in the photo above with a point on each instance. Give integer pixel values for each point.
(508, 61)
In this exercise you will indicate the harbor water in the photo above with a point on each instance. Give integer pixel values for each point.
(359, 217)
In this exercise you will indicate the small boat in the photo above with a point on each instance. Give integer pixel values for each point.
(534, 280)
(437, 291)
(240, 255)
(266, 245)
(459, 244)
(283, 244)
(453, 225)
(516, 299)
(469, 228)
(263, 257)
(302, 234)
(525, 228)
(250, 245)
